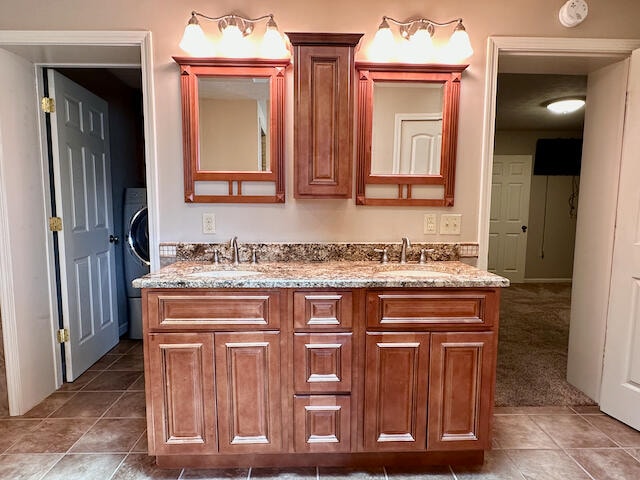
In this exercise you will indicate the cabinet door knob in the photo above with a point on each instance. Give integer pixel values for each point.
(524, 228)
(113, 239)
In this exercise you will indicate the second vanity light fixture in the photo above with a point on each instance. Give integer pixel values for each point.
(234, 42)
(419, 47)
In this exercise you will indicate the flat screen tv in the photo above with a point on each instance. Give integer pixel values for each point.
(558, 156)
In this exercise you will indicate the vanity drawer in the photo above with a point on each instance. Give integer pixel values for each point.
(213, 310)
(322, 362)
(407, 309)
(322, 310)
(322, 423)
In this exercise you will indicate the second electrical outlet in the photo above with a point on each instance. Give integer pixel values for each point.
(208, 223)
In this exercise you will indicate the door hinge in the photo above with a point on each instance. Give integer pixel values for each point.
(63, 335)
(48, 105)
(55, 224)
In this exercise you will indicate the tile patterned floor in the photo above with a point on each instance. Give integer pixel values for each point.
(94, 429)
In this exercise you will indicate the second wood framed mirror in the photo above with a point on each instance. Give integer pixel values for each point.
(233, 129)
(407, 133)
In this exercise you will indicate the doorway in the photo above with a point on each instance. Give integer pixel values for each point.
(551, 56)
(117, 94)
(32, 357)
(533, 222)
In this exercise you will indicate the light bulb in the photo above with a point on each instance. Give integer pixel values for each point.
(233, 44)
(382, 48)
(459, 46)
(194, 41)
(420, 46)
(273, 45)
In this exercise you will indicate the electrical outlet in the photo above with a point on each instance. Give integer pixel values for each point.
(450, 224)
(430, 223)
(208, 223)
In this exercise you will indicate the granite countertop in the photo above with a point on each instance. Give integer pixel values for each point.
(335, 274)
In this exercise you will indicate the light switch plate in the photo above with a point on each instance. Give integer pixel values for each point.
(450, 224)
(430, 225)
(208, 223)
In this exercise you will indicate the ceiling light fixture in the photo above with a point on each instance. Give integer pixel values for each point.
(234, 43)
(563, 106)
(420, 48)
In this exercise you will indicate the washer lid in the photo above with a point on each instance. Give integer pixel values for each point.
(138, 235)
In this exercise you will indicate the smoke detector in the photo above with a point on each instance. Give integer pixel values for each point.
(573, 13)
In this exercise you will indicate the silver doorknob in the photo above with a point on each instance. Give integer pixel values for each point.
(113, 239)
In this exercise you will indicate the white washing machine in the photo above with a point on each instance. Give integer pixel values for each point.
(136, 252)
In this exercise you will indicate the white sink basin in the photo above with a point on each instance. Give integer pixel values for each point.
(412, 273)
(224, 273)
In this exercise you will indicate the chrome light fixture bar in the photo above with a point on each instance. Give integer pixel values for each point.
(419, 33)
(234, 29)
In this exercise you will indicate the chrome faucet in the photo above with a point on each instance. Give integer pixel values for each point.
(403, 253)
(235, 259)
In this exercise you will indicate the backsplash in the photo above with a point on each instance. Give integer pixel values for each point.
(313, 252)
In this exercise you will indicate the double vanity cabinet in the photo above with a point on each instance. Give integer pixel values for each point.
(341, 367)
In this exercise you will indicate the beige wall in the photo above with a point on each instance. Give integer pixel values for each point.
(559, 227)
(228, 140)
(312, 219)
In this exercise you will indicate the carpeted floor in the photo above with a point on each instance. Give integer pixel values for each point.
(532, 347)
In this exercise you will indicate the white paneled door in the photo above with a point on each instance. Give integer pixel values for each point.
(509, 215)
(620, 392)
(82, 174)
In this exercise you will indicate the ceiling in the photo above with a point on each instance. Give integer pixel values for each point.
(521, 99)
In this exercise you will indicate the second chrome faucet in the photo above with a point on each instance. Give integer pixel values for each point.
(235, 254)
(403, 253)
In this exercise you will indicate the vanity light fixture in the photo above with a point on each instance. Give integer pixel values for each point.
(563, 106)
(419, 49)
(234, 43)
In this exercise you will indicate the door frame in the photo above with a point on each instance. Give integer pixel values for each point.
(73, 39)
(558, 47)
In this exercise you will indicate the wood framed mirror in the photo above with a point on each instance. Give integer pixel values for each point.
(407, 133)
(233, 129)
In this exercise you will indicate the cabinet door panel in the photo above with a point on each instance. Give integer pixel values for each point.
(320, 310)
(322, 362)
(178, 309)
(396, 379)
(410, 309)
(182, 393)
(248, 381)
(322, 423)
(461, 390)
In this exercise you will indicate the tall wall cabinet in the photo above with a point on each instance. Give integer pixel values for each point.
(324, 110)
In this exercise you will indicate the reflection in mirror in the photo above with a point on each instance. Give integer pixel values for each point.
(407, 128)
(234, 124)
